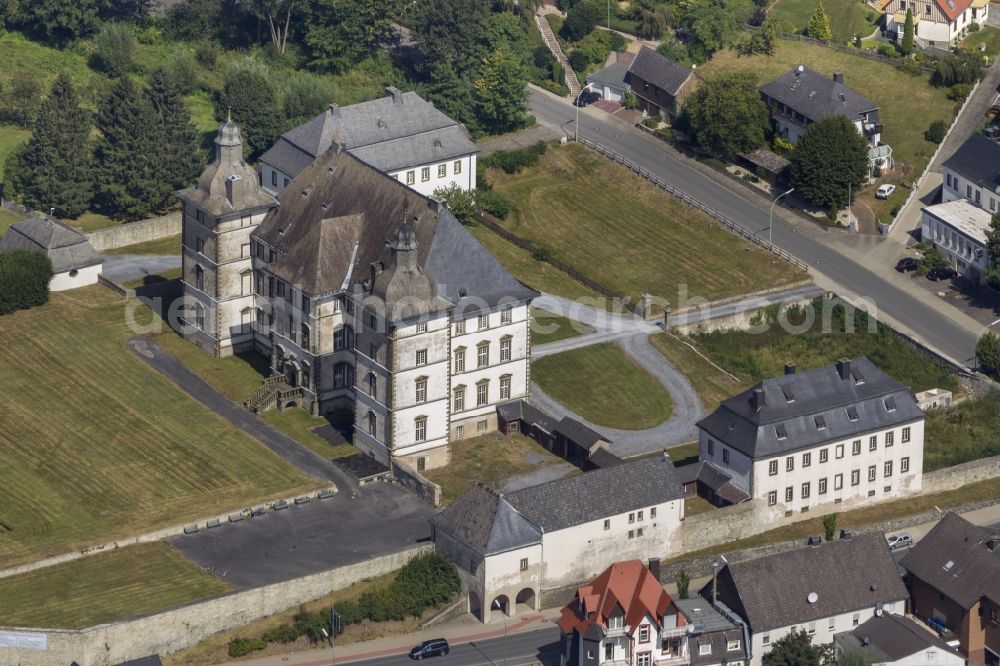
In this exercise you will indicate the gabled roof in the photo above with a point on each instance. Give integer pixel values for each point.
(580, 434)
(977, 160)
(659, 71)
(626, 587)
(66, 248)
(613, 74)
(484, 521)
(956, 559)
(772, 592)
(714, 479)
(805, 409)
(889, 637)
(816, 96)
(952, 8)
(394, 131)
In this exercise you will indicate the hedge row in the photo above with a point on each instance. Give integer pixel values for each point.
(512, 161)
(24, 280)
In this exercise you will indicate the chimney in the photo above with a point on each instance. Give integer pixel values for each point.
(395, 94)
(654, 568)
(844, 368)
(846, 535)
(789, 368)
(838, 77)
(758, 400)
(334, 110)
(815, 541)
(231, 184)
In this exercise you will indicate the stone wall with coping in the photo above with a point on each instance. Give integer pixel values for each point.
(142, 231)
(406, 475)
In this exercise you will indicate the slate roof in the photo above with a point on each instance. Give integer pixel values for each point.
(812, 407)
(890, 637)
(580, 434)
(594, 495)
(485, 522)
(613, 75)
(772, 592)
(333, 222)
(527, 414)
(816, 96)
(714, 479)
(67, 248)
(974, 570)
(603, 458)
(719, 641)
(977, 160)
(389, 133)
(659, 71)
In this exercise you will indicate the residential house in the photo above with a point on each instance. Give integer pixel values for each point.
(366, 296)
(399, 134)
(957, 229)
(74, 261)
(896, 640)
(611, 81)
(844, 433)
(821, 589)
(510, 547)
(973, 173)
(803, 96)
(715, 636)
(954, 581)
(660, 84)
(939, 23)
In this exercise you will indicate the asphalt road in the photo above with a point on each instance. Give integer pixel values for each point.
(926, 322)
(532, 647)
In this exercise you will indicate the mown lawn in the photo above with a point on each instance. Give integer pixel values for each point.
(622, 232)
(604, 385)
(168, 245)
(967, 431)
(11, 137)
(104, 588)
(989, 36)
(95, 445)
(549, 327)
(847, 17)
(7, 218)
(153, 278)
(92, 222)
(908, 104)
(711, 385)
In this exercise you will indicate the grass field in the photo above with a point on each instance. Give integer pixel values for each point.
(549, 327)
(491, 459)
(92, 222)
(967, 431)
(604, 385)
(620, 231)
(711, 385)
(989, 36)
(908, 104)
(11, 137)
(7, 218)
(103, 588)
(847, 17)
(168, 245)
(162, 276)
(95, 444)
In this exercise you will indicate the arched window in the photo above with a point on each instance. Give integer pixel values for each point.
(306, 376)
(372, 384)
(372, 423)
(305, 336)
(199, 315)
(199, 278)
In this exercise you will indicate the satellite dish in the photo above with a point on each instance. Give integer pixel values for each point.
(878, 609)
(812, 598)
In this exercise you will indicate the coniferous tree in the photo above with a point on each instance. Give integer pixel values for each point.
(129, 184)
(181, 158)
(906, 45)
(819, 25)
(53, 169)
(249, 96)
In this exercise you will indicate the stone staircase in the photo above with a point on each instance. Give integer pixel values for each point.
(550, 40)
(274, 391)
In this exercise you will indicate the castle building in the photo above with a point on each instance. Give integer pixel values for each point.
(365, 296)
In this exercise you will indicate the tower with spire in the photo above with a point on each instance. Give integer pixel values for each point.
(218, 215)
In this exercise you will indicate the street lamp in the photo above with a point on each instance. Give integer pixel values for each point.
(770, 217)
(496, 604)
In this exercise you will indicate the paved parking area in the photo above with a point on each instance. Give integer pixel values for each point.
(302, 540)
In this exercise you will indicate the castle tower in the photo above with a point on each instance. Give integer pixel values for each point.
(217, 218)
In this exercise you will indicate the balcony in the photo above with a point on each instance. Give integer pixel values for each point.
(672, 660)
(675, 632)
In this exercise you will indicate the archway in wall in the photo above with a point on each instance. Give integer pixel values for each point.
(499, 607)
(526, 599)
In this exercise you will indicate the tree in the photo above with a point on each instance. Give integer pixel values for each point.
(853, 657)
(726, 115)
(993, 250)
(988, 354)
(830, 526)
(631, 101)
(23, 98)
(796, 649)
(906, 45)
(936, 132)
(581, 19)
(306, 95)
(24, 280)
(715, 24)
(819, 25)
(249, 96)
(683, 583)
(448, 32)
(53, 169)
(59, 21)
(760, 41)
(501, 100)
(278, 16)
(128, 181)
(115, 47)
(180, 156)
(340, 33)
(461, 202)
(453, 96)
(829, 158)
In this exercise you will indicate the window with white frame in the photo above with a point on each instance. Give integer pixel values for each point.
(840, 450)
(856, 447)
(871, 472)
(505, 387)
(421, 389)
(460, 359)
(789, 493)
(838, 481)
(505, 350)
(887, 468)
(772, 468)
(806, 459)
(855, 477)
(421, 327)
(482, 354)
(524, 564)
(904, 465)
(506, 315)
(644, 633)
(459, 392)
(821, 486)
(805, 490)
(484, 321)
(732, 646)
(421, 357)
(872, 443)
(812, 628)
(442, 170)
(789, 463)
(410, 178)
(905, 436)
(482, 425)
(420, 428)
(890, 437)
(482, 393)
(460, 327)
(772, 498)
(824, 455)
(457, 167)
(704, 649)
(425, 174)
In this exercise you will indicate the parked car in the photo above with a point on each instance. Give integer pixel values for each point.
(899, 541)
(907, 264)
(884, 191)
(432, 648)
(587, 97)
(938, 274)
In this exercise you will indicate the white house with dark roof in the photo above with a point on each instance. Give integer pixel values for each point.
(510, 547)
(938, 23)
(803, 96)
(822, 590)
(74, 261)
(843, 433)
(957, 229)
(399, 134)
(973, 173)
(896, 640)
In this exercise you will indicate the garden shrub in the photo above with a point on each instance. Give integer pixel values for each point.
(888, 50)
(513, 161)
(24, 280)
(240, 647)
(495, 203)
(936, 132)
(651, 122)
(115, 48)
(959, 92)
(206, 53)
(283, 633)
(578, 60)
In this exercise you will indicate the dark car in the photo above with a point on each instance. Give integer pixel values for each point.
(432, 648)
(938, 274)
(586, 97)
(907, 264)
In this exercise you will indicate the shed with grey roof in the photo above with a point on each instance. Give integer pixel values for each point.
(75, 263)
(890, 638)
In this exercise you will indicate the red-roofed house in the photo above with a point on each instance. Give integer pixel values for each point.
(623, 618)
(938, 23)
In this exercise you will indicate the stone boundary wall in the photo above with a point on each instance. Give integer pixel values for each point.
(131, 233)
(178, 628)
(409, 477)
(963, 474)
(209, 522)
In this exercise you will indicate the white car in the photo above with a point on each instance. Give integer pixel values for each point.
(899, 541)
(884, 191)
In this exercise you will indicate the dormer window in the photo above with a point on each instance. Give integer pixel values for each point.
(780, 432)
(890, 404)
(852, 413)
(820, 422)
